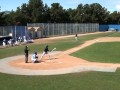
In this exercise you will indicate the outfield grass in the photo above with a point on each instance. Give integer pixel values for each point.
(76, 81)
(115, 34)
(60, 44)
(108, 52)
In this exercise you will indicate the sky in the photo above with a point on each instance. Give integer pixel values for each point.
(110, 5)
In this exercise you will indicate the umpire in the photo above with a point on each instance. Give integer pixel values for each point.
(26, 54)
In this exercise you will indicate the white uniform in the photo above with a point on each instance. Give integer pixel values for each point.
(34, 58)
(4, 42)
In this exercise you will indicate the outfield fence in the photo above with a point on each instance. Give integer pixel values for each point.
(58, 29)
(15, 31)
(38, 30)
(5, 30)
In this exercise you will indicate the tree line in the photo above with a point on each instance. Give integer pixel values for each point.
(37, 12)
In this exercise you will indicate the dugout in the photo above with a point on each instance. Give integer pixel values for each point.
(6, 38)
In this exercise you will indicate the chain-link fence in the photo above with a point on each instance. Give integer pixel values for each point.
(58, 29)
(7, 32)
(48, 29)
(14, 30)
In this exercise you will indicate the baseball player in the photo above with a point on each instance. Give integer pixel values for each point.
(45, 52)
(34, 58)
(76, 37)
(26, 54)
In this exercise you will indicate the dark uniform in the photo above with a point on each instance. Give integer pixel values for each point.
(45, 52)
(46, 49)
(76, 37)
(26, 54)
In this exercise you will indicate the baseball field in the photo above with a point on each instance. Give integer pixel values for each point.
(100, 49)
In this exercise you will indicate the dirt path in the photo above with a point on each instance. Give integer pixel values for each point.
(61, 62)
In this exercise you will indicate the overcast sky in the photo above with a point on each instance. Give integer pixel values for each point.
(111, 5)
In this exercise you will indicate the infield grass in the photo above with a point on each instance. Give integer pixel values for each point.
(107, 52)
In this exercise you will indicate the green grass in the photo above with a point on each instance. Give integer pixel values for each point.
(76, 81)
(19, 50)
(60, 44)
(101, 52)
(115, 34)
(94, 36)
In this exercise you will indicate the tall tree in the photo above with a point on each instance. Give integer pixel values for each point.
(2, 18)
(46, 14)
(22, 15)
(57, 13)
(71, 15)
(10, 18)
(36, 12)
(98, 13)
(91, 13)
(35, 8)
(79, 14)
(114, 18)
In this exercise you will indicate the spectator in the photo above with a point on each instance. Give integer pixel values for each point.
(4, 42)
